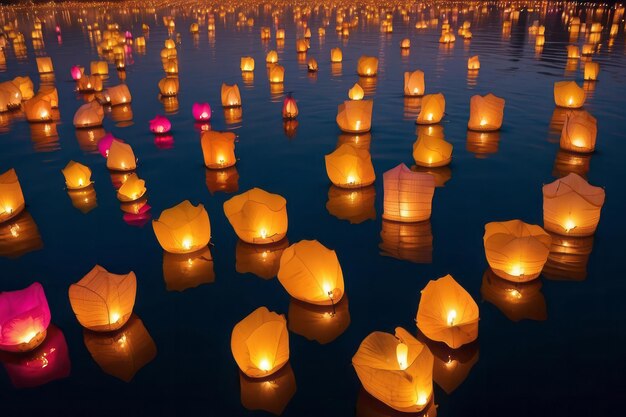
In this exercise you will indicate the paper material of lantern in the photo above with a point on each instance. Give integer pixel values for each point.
(312, 65)
(218, 149)
(571, 206)
(89, 83)
(591, 71)
(169, 86)
(49, 94)
(579, 132)
(89, 115)
(99, 68)
(573, 52)
(290, 108)
(356, 92)
(447, 313)
(77, 72)
(352, 204)
(396, 370)
(260, 343)
(431, 151)
(76, 175)
(355, 116)
(414, 83)
(24, 318)
(271, 394)
(473, 63)
(183, 228)
(119, 94)
(247, 64)
(260, 260)
(230, 96)
(302, 46)
(132, 189)
(122, 353)
(486, 113)
(184, 271)
(350, 167)
(11, 197)
(258, 216)
(568, 94)
(516, 300)
(412, 242)
(432, 109)
(121, 157)
(201, 112)
(310, 272)
(103, 301)
(515, 250)
(367, 66)
(336, 55)
(37, 110)
(276, 74)
(25, 85)
(44, 65)
(160, 124)
(271, 57)
(408, 195)
(320, 323)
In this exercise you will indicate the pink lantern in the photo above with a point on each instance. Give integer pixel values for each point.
(128, 35)
(77, 72)
(201, 112)
(24, 318)
(160, 124)
(58, 29)
(49, 362)
(104, 144)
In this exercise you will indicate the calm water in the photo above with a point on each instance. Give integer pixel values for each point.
(567, 358)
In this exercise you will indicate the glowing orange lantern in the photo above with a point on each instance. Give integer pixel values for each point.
(247, 64)
(276, 74)
(473, 63)
(271, 57)
(37, 109)
(356, 92)
(408, 195)
(168, 86)
(355, 116)
(302, 45)
(99, 68)
(183, 228)
(290, 108)
(25, 85)
(568, 94)
(218, 149)
(405, 43)
(350, 167)
(230, 96)
(579, 132)
(336, 55)
(77, 176)
(132, 189)
(432, 151)
(44, 65)
(486, 113)
(89, 115)
(414, 83)
(121, 157)
(432, 109)
(592, 69)
(119, 94)
(312, 65)
(573, 52)
(367, 66)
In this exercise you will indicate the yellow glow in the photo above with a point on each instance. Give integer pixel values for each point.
(15, 230)
(429, 117)
(422, 399)
(80, 182)
(514, 293)
(114, 317)
(44, 114)
(570, 101)
(402, 353)
(451, 317)
(517, 270)
(28, 336)
(351, 179)
(451, 363)
(187, 243)
(578, 142)
(263, 233)
(569, 225)
(483, 122)
(357, 124)
(265, 365)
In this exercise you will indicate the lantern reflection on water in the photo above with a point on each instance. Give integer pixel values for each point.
(368, 406)
(354, 205)
(44, 65)
(396, 370)
(24, 318)
(515, 250)
(482, 144)
(122, 353)
(433, 107)
(568, 258)
(350, 167)
(184, 271)
(516, 300)
(84, 199)
(222, 180)
(271, 394)
(591, 71)
(320, 323)
(11, 197)
(103, 301)
(19, 236)
(262, 261)
(260, 343)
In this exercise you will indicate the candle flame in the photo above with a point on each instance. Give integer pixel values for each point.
(569, 225)
(451, 317)
(402, 353)
(187, 243)
(265, 365)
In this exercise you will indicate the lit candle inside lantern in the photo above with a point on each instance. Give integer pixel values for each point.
(187, 243)
(402, 353)
(451, 317)
(422, 398)
(351, 180)
(517, 270)
(483, 122)
(263, 233)
(569, 225)
(28, 335)
(264, 365)
(114, 318)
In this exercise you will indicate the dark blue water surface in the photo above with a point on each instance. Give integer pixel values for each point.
(566, 354)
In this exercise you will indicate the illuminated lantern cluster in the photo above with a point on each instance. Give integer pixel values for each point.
(99, 68)
(408, 195)
(355, 116)
(218, 149)
(24, 318)
(133, 189)
(414, 83)
(89, 83)
(311, 273)
(201, 112)
(160, 124)
(103, 301)
(431, 150)
(515, 250)
(260, 343)
(258, 216)
(89, 115)
(230, 96)
(367, 66)
(350, 167)
(571, 206)
(579, 132)
(121, 157)
(356, 92)
(119, 94)
(11, 197)
(473, 63)
(447, 37)
(290, 108)
(447, 313)
(247, 64)
(396, 370)
(76, 175)
(184, 228)
(568, 94)
(432, 109)
(486, 113)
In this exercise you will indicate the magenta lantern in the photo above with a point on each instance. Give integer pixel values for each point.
(77, 72)
(201, 112)
(128, 35)
(24, 318)
(104, 144)
(160, 124)
(58, 29)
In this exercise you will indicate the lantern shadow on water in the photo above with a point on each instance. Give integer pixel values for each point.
(516, 300)
(24, 318)
(368, 406)
(320, 323)
(184, 271)
(350, 167)
(354, 205)
(48, 362)
(482, 144)
(84, 199)
(122, 353)
(271, 394)
(183, 228)
(11, 197)
(568, 258)
(19, 236)
(262, 261)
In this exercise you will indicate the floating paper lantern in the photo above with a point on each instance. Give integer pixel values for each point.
(447, 37)
(473, 63)
(320, 323)
(11, 96)
(573, 52)
(592, 69)
(99, 68)
(302, 45)
(24, 318)
(89, 115)
(336, 55)
(260, 343)
(258, 216)
(432, 109)
(447, 313)
(408, 195)
(405, 43)
(312, 65)
(290, 108)
(432, 151)
(104, 144)
(356, 92)
(77, 176)
(350, 167)
(89, 83)
(271, 57)
(183, 228)
(168, 86)
(396, 370)
(77, 72)
(44, 65)
(25, 85)
(160, 124)
(568, 94)
(230, 96)
(140, 42)
(133, 189)
(414, 83)
(355, 116)
(310, 272)
(247, 64)
(168, 53)
(49, 94)
(486, 113)
(516, 300)
(271, 394)
(119, 94)
(276, 74)
(367, 66)
(121, 157)
(102, 301)
(218, 149)
(11, 197)
(266, 33)
(37, 110)
(515, 250)
(355, 205)
(201, 112)
(579, 132)
(260, 260)
(321, 32)
(571, 206)
(184, 271)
